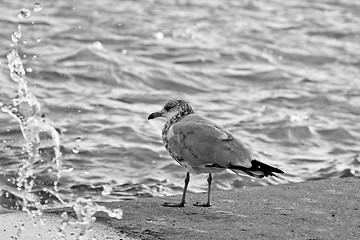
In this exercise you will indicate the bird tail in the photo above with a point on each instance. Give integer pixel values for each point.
(257, 169)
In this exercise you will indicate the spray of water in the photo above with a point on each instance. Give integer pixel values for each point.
(42, 138)
(43, 149)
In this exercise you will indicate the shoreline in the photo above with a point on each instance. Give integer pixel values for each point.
(321, 209)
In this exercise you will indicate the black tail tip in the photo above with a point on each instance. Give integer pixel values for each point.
(267, 169)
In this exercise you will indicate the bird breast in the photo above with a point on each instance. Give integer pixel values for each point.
(170, 133)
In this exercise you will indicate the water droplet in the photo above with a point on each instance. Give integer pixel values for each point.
(158, 35)
(15, 37)
(38, 40)
(24, 13)
(97, 45)
(78, 139)
(107, 190)
(37, 7)
(29, 70)
(76, 150)
(64, 215)
(124, 51)
(115, 213)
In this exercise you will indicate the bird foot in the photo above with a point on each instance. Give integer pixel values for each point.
(166, 204)
(202, 204)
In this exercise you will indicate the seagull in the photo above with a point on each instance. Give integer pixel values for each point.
(202, 146)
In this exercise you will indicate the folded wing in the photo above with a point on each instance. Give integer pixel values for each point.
(204, 144)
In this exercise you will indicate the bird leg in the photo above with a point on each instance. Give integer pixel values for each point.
(208, 204)
(182, 203)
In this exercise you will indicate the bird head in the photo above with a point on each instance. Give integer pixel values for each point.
(175, 108)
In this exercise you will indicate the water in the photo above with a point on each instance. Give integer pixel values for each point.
(40, 169)
(281, 75)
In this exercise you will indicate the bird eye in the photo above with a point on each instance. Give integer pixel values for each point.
(167, 108)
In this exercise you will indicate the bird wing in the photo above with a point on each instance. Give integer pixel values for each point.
(202, 143)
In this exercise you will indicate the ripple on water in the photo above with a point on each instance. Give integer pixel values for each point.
(336, 134)
(282, 77)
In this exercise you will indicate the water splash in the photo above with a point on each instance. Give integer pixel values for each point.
(40, 134)
(43, 150)
(17, 72)
(85, 209)
(42, 139)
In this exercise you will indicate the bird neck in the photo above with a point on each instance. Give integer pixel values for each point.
(177, 117)
(180, 114)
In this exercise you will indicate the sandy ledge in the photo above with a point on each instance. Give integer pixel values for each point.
(323, 209)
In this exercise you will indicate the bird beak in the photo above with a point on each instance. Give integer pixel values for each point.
(155, 115)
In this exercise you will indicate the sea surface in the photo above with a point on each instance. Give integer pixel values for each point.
(283, 76)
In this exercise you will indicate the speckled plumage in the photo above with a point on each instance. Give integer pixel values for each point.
(202, 146)
(185, 110)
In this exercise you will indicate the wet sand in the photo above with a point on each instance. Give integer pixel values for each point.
(323, 209)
